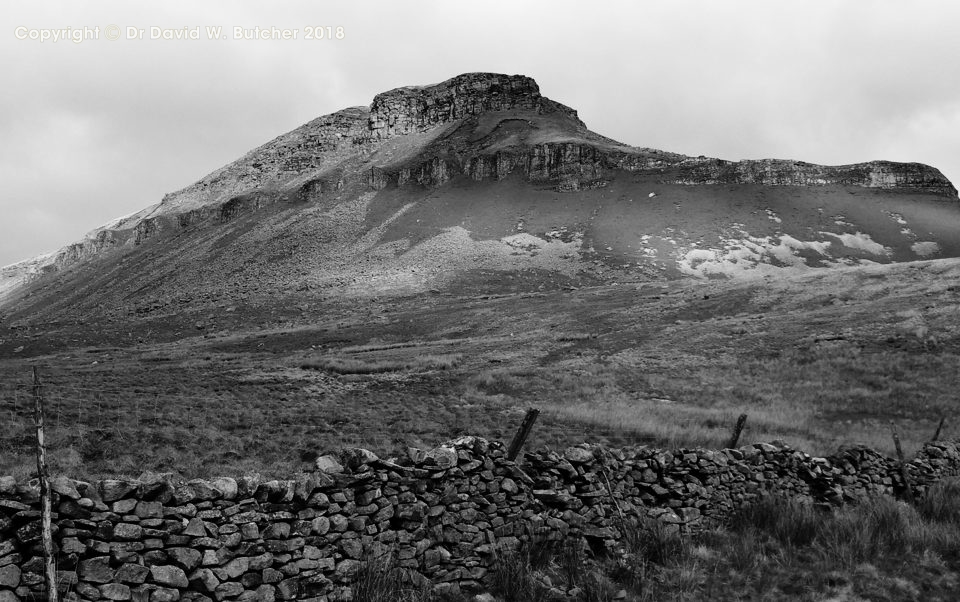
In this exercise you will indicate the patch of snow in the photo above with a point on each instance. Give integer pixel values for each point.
(441, 258)
(748, 256)
(925, 248)
(113, 223)
(896, 217)
(698, 256)
(743, 256)
(861, 242)
(30, 264)
(524, 241)
(15, 275)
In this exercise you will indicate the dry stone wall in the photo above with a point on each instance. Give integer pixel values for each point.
(442, 514)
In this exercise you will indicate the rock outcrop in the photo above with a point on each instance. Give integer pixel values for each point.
(420, 108)
(774, 172)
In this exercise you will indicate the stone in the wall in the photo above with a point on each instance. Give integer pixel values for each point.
(10, 576)
(169, 575)
(162, 594)
(226, 487)
(112, 490)
(442, 457)
(353, 458)
(127, 532)
(328, 464)
(64, 487)
(187, 558)
(96, 570)
(132, 573)
(115, 591)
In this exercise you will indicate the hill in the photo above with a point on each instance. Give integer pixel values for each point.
(457, 185)
(438, 261)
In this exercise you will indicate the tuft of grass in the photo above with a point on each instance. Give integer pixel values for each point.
(779, 548)
(381, 580)
(540, 567)
(788, 521)
(655, 541)
(512, 578)
(349, 365)
(340, 365)
(942, 503)
(877, 527)
(597, 587)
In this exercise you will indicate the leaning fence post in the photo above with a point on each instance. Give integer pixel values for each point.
(521, 437)
(735, 437)
(903, 467)
(936, 435)
(50, 574)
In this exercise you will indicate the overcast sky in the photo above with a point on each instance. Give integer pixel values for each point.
(94, 130)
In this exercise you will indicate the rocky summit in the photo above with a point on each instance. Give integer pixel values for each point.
(479, 184)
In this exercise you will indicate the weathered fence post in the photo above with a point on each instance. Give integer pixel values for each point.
(936, 435)
(521, 437)
(50, 574)
(735, 437)
(903, 467)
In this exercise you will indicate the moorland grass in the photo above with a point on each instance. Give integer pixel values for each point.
(776, 548)
(813, 375)
(352, 365)
(780, 548)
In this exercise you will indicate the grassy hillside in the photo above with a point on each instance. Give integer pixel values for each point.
(818, 360)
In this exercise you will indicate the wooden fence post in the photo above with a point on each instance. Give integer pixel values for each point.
(50, 573)
(903, 467)
(521, 437)
(936, 435)
(735, 437)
